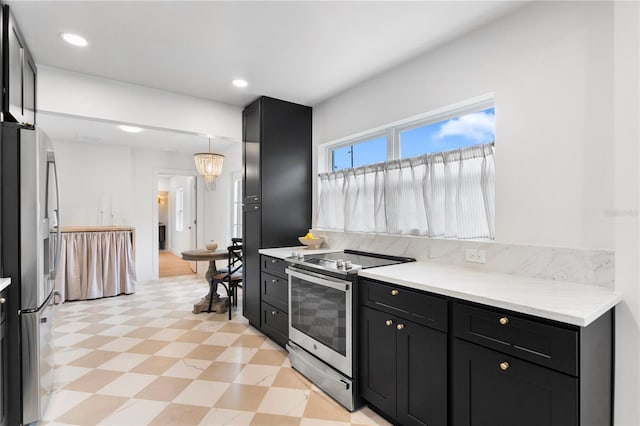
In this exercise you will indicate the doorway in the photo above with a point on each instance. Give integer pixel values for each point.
(177, 232)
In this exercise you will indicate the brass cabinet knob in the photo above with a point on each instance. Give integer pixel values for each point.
(400, 326)
(274, 281)
(274, 312)
(394, 292)
(388, 323)
(273, 261)
(504, 366)
(3, 300)
(503, 321)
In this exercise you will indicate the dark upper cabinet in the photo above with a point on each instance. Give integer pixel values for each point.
(19, 74)
(276, 184)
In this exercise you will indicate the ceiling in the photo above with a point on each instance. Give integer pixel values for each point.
(301, 51)
(77, 129)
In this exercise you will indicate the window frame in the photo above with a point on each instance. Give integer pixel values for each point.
(392, 130)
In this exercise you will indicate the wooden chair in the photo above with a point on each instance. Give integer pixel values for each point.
(231, 277)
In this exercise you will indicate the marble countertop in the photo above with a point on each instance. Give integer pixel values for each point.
(283, 252)
(4, 283)
(572, 303)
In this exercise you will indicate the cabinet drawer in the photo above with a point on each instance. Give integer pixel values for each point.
(410, 304)
(275, 291)
(548, 345)
(275, 323)
(274, 266)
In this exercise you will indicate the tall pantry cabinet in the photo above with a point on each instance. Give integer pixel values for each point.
(276, 186)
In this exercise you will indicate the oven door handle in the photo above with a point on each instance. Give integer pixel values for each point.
(319, 279)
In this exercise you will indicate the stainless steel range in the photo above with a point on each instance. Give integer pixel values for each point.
(322, 310)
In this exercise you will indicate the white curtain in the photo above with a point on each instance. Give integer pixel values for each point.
(95, 264)
(449, 194)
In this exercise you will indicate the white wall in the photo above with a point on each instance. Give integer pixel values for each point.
(218, 201)
(95, 187)
(565, 78)
(127, 179)
(83, 95)
(625, 215)
(550, 67)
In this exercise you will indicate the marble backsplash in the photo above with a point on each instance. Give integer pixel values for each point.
(594, 267)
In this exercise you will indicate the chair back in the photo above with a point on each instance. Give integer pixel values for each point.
(234, 263)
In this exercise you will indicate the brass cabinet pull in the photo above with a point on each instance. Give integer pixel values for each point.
(273, 261)
(394, 292)
(274, 312)
(274, 281)
(400, 326)
(388, 323)
(3, 300)
(503, 321)
(504, 366)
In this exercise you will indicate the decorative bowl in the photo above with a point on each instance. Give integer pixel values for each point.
(311, 243)
(211, 245)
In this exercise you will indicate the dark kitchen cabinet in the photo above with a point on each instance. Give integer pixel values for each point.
(493, 389)
(275, 299)
(19, 74)
(513, 369)
(403, 364)
(276, 185)
(4, 362)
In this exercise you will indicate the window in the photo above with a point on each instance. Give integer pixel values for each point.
(236, 230)
(432, 175)
(462, 125)
(179, 209)
(466, 130)
(359, 153)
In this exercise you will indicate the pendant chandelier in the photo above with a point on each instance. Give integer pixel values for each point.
(209, 166)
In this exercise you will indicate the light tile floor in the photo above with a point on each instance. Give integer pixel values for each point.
(146, 359)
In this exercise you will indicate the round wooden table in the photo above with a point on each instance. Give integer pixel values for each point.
(218, 304)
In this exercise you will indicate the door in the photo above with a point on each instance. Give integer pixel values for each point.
(490, 388)
(183, 212)
(378, 359)
(422, 375)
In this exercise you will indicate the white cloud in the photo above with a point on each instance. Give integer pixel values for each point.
(478, 126)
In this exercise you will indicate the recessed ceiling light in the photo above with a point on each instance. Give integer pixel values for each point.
(239, 83)
(130, 129)
(74, 39)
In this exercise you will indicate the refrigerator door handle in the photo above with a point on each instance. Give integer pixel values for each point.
(56, 256)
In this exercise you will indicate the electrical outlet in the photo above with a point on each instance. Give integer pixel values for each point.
(475, 256)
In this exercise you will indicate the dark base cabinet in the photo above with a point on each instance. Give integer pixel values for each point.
(4, 362)
(275, 299)
(511, 369)
(430, 360)
(490, 388)
(403, 364)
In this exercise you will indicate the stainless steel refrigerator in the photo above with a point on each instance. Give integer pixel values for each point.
(30, 250)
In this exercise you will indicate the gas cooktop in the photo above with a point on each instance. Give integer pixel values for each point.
(345, 262)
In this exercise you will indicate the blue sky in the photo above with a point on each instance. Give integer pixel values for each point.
(466, 130)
